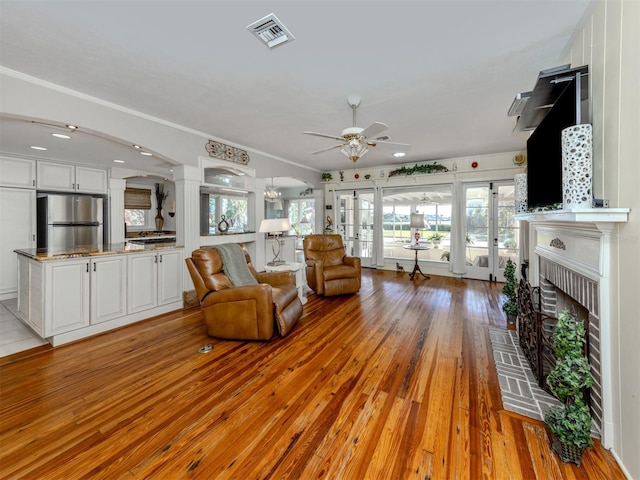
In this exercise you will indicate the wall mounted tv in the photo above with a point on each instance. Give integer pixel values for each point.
(564, 108)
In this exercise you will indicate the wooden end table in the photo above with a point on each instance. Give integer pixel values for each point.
(416, 267)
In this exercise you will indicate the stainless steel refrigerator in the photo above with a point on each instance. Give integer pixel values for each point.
(70, 221)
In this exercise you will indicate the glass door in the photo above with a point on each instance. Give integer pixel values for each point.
(506, 228)
(492, 232)
(355, 223)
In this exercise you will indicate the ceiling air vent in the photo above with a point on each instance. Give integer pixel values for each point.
(271, 31)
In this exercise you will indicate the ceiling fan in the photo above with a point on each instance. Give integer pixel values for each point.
(355, 141)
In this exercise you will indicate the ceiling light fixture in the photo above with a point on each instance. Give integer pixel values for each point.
(271, 194)
(72, 127)
(61, 135)
(37, 148)
(137, 147)
(355, 148)
(399, 154)
(119, 161)
(146, 154)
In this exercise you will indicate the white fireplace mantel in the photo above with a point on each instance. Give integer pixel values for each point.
(580, 240)
(584, 215)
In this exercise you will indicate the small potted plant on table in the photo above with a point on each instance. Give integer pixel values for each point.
(569, 380)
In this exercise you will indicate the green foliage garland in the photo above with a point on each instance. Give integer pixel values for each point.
(425, 168)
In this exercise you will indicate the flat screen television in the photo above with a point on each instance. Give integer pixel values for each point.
(544, 150)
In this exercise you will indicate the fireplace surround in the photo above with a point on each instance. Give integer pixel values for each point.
(569, 256)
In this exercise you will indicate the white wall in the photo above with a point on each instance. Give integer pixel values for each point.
(609, 42)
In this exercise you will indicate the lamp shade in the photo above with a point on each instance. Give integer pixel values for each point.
(417, 220)
(275, 225)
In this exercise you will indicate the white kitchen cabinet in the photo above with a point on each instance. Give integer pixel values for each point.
(170, 272)
(154, 279)
(71, 178)
(142, 291)
(17, 172)
(91, 180)
(60, 296)
(66, 296)
(18, 224)
(24, 290)
(68, 299)
(108, 288)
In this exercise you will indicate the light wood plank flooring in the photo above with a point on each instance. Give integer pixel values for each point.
(396, 382)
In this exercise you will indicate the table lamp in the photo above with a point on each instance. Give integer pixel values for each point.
(275, 227)
(417, 222)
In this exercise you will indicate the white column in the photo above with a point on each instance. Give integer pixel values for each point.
(116, 210)
(258, 256)
(187, 180)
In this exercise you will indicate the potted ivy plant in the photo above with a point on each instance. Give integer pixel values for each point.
(510, 306)
(326, 177)
(569, 381)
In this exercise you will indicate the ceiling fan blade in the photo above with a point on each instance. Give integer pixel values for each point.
(400, 147)
(374, 129)
(324, 135)
(327, 149)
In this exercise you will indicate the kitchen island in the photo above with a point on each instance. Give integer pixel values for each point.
(73, 293)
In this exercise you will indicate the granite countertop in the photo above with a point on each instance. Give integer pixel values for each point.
(226, 234)
(149, 235)
(43, 254)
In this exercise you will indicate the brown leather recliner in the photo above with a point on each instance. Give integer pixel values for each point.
(244, 312)
(329, 270)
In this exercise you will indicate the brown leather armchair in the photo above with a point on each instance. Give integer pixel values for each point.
(244, 312)
(329, 270)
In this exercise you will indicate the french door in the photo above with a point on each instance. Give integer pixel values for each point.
(355, 223)
(492, 232)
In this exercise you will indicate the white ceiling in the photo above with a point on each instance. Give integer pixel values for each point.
(441, 74)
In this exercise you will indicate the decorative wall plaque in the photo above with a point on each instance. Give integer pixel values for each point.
(557, 243)
(227, 152)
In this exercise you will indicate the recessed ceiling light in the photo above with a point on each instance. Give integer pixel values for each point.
(136, 146)
(72, 127)
(37, 148)
(147, 154)
(61, 135)
(399, 154)
(119, 161)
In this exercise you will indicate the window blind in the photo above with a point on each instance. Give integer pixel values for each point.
(137, 199)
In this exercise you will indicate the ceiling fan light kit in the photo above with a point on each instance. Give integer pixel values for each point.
(355, 140)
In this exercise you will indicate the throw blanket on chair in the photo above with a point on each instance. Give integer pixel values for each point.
(235, 265)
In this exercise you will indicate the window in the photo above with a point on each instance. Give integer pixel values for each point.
(234, 208)
(137, 203)
(135, 217)
(302, 215)
(434, 201)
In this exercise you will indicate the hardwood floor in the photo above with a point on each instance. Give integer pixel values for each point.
(396, 382)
